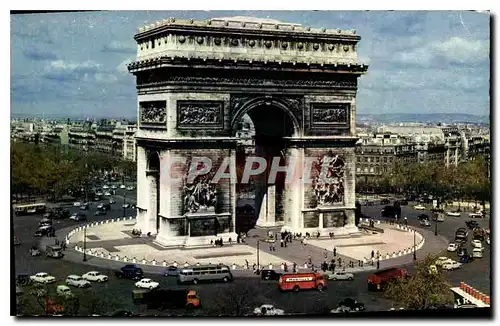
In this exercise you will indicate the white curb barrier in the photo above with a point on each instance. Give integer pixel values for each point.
(134, 260)
(125, 259)
(144, 261)
(234, 266)
(154, 262)
(164, 264)
(117, 257)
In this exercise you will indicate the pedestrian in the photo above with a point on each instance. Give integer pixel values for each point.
(294, 267)
(254, 267)
(317, 235)
(230, 240)
(378, 264)
(281, 242)
(325, 254)
(238, 239)
(334, 252)
(373, 254)
(285, 242)
(247, 263)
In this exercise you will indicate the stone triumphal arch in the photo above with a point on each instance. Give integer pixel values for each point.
(196, 80)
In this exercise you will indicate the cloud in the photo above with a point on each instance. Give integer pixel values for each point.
(65, 70)
(454, 51)
(122, 67)
(39, 55)
(120, 47)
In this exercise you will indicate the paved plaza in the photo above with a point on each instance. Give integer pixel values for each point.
(115, 239)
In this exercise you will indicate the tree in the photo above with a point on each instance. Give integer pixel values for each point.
(421, 289)
(235, 299)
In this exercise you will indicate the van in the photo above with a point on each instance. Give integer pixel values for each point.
(477, 253)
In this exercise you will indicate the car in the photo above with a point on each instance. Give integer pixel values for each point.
(419, 207)
(443, 260)
(403, 202)
(126, 206)
(452, 247)
(425, 223)
(423, 217)
(77, 281)
(268, 310)
(130, 188)
(77, 204)
(107, 193)
(47, 231)
(471, 224)
(105, 187)
(99, 193)
(384, 201)
(84, 207)
(476, 215)
(369, 203)
(64, 290)
(455, 214)
(73, 216)
(465, 259)
(171, 271)
(451, 266)
(79, 217)
(476, 244)
(122, 187)
(100, 213)
(131, 271)
(477, 252)
(95, 277)
(113, 187)
(340, 276)
(270, 274)
(348, 305)
(112, 201)
(461, 251)
(42, 278)
(45, 222)
(35, 252)
(100, 206)
(462, 231)
(147, 283)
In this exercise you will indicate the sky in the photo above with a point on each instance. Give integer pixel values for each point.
(74, 64)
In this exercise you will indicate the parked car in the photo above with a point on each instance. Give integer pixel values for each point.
(452, 247)
(171, 271)
(107, 193)
(42, 278)
(466, 259)
(105, 187)
(341, 276)
(147, 283)
(477, 252)
(112, 201)
(348, 305)
(454, 214)
(64, 290)
(369, 203)
(131, 271)
(270, 274)
(471, 224)
(100, 213)
(476, 215)
(122, 187)
(419, 207)
(45, 222)
(45, 231)
(268, 310)
(130, 188)
(77, 204)
(476, 244)
(451, 265)
(77, 281)
(84, 207)
(95, 277)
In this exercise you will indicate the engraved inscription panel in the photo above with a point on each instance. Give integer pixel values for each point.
(200, 114)
(324, 115)
(153, 112)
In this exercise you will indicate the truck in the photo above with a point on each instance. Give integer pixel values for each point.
(377, 281)
(164, 299)
(54, 251)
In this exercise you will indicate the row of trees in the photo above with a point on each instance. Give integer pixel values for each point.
(467, 181)
(54, 171)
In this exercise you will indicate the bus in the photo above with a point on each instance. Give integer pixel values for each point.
(301, 281)
(29, 209)
(205, 273)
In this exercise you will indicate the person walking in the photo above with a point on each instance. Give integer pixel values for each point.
(281, 242)
(334, 252)
(325, 254)
(378, 264)
(373, 254)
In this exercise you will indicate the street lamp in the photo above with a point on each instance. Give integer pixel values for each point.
(85, 244)
(414, 245)
(436, 226)
(258, 250)
(124, 202)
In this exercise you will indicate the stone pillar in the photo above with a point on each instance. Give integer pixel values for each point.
(141, 188)
(233, 194)
(293, 192)
(152, 212)
(320, 220)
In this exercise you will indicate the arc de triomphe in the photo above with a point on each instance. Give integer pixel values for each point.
(197, 79)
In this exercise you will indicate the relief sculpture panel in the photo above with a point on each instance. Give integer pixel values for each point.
(328, 184)
(200, 114)
(200, 195)
(153, 112)
(324, 115)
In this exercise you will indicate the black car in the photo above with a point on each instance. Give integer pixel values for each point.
(45, 231)
(422, 217)
(130, 271)
(352, 305)
(465, 259)
(403, 202)
(270, 274)
(461, 251)
(171, 271)
(384, 201)
(472, 224)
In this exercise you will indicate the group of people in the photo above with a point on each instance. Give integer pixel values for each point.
(218, 242)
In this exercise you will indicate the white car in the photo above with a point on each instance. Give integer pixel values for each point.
(105, 187)
(95, 277)
(123, 187)
(268, 310)
(451, 266)
(113, 187)
(42, 278)
(130, 188)
(147, 283)
(419, 207)
(100, 206)
(425, 223)
(126, 206)
(73, 216)
(77, 204)
(476, 215)
(455, 214)
(452, 247)
(107, 193)
(488, 241)
(443, 260)
(476, 244)
(99, 193)
(341, 276)
(77, 281)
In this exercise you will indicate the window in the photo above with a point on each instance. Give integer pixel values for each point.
(366, 169)
(371, 170)
(358, 169)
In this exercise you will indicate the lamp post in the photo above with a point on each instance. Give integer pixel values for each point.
(258, 250)
(436, 226)
(124, 201)
(414, 245)
(85, 244)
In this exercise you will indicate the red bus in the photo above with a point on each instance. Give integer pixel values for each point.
(301, 281)
(378, 280)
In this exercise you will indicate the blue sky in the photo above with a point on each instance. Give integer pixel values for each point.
(420, 61)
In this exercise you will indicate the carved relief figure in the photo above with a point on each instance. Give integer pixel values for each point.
(331, 113)
(199, 114)
(330, 188)
(153, 112)
(201, 195)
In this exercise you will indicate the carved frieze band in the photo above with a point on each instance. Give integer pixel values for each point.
(326, 115)
(153, 112)
(348, 84)
(200, 114)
